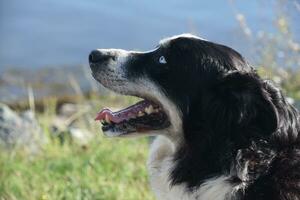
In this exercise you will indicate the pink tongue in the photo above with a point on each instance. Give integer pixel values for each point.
(124, 114)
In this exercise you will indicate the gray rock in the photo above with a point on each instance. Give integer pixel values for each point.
(69, 109)
(71, 122)
(20, 131)
(81, 136)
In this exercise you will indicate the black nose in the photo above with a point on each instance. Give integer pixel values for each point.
(98, 56)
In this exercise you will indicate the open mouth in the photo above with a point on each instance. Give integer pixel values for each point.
(141, 117)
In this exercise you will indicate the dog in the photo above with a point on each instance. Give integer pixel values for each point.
(222, 132)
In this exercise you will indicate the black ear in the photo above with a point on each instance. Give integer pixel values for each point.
(243, 101)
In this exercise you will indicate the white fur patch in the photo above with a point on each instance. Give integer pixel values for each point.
(160, 163)
(217, 188)
(185, 35)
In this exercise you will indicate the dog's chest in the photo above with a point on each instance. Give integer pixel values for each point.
(160, 163)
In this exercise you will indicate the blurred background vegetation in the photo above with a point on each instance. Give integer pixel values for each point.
(50, 146)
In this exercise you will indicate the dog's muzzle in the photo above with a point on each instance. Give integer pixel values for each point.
(97, 58)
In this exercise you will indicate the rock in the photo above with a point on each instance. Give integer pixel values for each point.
(81, 136)
(71, 122)
(64, 131)
(20, 131)
(69, 109)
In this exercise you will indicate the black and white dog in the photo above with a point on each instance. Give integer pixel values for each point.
(222, 131)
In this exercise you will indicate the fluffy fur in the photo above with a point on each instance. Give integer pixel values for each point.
(233, 135)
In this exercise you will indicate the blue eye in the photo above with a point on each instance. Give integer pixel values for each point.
(162, 60)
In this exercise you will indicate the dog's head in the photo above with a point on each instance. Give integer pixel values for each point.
(186, 82)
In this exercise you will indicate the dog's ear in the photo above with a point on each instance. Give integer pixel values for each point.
(244, 101)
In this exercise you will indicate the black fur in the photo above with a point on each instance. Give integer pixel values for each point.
(230, 117)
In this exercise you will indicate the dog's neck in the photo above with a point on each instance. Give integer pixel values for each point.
(193, 165)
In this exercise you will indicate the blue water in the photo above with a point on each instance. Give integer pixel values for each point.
(43, 36)
(39, 33)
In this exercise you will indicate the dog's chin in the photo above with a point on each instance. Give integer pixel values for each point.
(112, 134)
(143, 118)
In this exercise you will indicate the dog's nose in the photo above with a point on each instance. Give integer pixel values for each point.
(98, 56)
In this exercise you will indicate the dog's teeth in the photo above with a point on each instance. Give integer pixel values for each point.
(107, 119)
(149, 109)
(140, 114)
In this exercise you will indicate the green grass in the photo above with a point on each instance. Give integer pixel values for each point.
(105, 169)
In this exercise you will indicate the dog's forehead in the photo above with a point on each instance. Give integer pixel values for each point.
(166, 41)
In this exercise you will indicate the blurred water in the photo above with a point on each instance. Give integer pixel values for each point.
(42, 34)
(55, 32)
